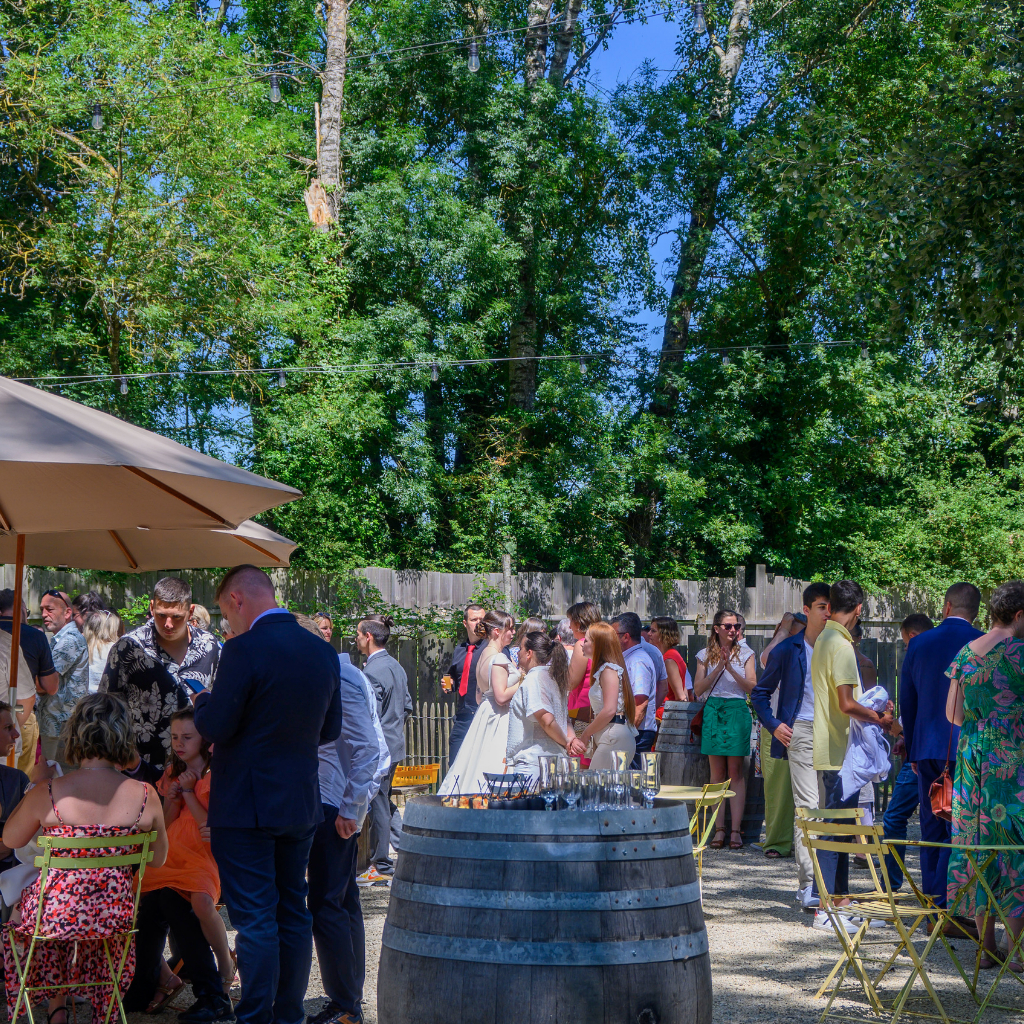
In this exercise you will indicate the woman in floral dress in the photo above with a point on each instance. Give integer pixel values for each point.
(81, 906)
(986, 699)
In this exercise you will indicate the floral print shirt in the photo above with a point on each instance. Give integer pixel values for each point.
(154, 684)
(70, 655)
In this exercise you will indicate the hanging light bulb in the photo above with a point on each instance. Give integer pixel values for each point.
(124, 385)
(473, 63)
(433, 373)
(864, 352)
(725, 360)
(275, 88)
(583, 365)
(699, 24)
(97, 116)
(280, 378)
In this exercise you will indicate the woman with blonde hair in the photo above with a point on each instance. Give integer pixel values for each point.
(725, 672)
(611, 699)
(497, 679)
(101, 631)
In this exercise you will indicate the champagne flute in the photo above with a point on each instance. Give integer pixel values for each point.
(547, 764)
(650, 770)
(619, 788)
(572, 789)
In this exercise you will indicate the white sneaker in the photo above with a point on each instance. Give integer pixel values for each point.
(808, 901)
(823, 922)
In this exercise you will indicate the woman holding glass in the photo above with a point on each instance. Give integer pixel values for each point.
(611, 699)
(986, 699)
(725, 672)
(537, 719)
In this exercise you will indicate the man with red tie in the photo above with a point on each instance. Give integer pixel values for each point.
(463, 672)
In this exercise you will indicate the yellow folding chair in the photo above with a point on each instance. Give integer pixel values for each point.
(140, 842)
(705, 813)
(414, 778)
(905, 913)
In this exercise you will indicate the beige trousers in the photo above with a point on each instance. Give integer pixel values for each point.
(806, 793)
(611, 738)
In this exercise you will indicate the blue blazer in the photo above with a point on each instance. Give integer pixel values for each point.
(924, 687)
(275, 699)
(786, 671)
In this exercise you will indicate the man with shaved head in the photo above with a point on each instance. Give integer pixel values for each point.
(276, 699)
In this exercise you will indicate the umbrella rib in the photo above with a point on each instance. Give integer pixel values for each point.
(124, 551)
(177, 494)
(5, 523)
(262, 551)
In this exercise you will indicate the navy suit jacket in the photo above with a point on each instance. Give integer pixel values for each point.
(924, 687)
(275, 699)
(786, 671)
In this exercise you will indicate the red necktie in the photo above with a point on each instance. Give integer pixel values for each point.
(464, 681)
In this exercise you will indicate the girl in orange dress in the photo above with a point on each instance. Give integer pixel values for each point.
(190, 868)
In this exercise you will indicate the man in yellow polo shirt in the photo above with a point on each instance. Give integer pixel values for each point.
(836, 681)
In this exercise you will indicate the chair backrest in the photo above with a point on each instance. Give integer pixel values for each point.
(415, 775)
(138, 842)
(703, 819)
(821, 835)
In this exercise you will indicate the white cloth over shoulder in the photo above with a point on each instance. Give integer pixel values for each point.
(867, 752)
(483, 749)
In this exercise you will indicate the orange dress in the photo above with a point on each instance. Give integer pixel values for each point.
(190, 866)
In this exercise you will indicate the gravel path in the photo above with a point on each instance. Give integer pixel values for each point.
(767, 961)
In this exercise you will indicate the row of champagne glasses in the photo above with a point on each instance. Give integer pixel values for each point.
(564, 783)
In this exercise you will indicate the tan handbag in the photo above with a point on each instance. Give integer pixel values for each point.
(940, 793)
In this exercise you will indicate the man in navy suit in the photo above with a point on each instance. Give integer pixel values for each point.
(924, 686)
(276, 699)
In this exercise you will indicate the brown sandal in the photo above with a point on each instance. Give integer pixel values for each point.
(734, 845)
(716, 843)
(164, 994)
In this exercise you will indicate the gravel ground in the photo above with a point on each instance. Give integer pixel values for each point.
(767, 961)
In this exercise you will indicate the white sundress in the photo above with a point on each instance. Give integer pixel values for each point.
(483, 749)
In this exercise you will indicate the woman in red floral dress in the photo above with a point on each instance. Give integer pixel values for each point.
(82, 905)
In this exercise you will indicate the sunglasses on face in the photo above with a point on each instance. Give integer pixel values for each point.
(731, 626)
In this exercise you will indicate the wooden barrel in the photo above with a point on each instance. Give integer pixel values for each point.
(682, 763)
(544, 917)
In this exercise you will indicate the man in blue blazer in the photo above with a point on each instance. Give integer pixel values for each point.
(791, 721)
(924, 686)
(276, 698)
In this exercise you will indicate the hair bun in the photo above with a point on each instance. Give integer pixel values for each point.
(480, 629)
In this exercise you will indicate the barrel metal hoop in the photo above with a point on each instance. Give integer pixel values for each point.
(545, 954)
(628, 849)
(427, 813)
(493, 899)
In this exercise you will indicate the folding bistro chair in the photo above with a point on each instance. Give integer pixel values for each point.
(905, 913)
(51, 859)
(416, 778)
(704, 816)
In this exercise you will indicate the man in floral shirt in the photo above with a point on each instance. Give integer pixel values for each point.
(71, 660)
(160, 666)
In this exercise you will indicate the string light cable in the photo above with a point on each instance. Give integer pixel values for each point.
(432, 365)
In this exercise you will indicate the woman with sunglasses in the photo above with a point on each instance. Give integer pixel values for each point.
(725, 675)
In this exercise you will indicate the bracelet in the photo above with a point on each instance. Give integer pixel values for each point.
(188, 791)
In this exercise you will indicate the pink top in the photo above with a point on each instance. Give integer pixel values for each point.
(580, 697)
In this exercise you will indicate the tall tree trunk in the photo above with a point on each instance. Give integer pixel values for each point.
(321, 196)
(563, 43)
(696, 241)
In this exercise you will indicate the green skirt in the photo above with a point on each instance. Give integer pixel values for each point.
(726, 730)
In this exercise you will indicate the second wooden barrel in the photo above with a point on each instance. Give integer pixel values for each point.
(682, 763)
(544, 917)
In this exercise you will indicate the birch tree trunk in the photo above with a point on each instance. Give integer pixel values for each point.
(322, 195)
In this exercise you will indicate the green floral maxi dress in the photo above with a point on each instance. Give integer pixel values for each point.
(988, 788)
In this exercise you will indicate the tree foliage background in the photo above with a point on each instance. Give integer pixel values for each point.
(837, 386)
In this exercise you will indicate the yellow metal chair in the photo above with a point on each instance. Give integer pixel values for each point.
(905, 913)
(702, 822)
(51, 858)
(414, 778)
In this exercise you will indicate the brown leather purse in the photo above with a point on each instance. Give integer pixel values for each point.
(940, 793)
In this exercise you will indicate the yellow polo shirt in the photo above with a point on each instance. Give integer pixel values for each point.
(834, 664)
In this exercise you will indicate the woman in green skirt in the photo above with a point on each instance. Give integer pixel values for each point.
(725, 675)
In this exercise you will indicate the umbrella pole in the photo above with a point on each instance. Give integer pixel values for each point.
(19, 574)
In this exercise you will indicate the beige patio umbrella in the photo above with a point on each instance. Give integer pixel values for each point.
(65, 467)
(141, 550)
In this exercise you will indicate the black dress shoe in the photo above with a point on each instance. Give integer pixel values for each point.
(207, 1010)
